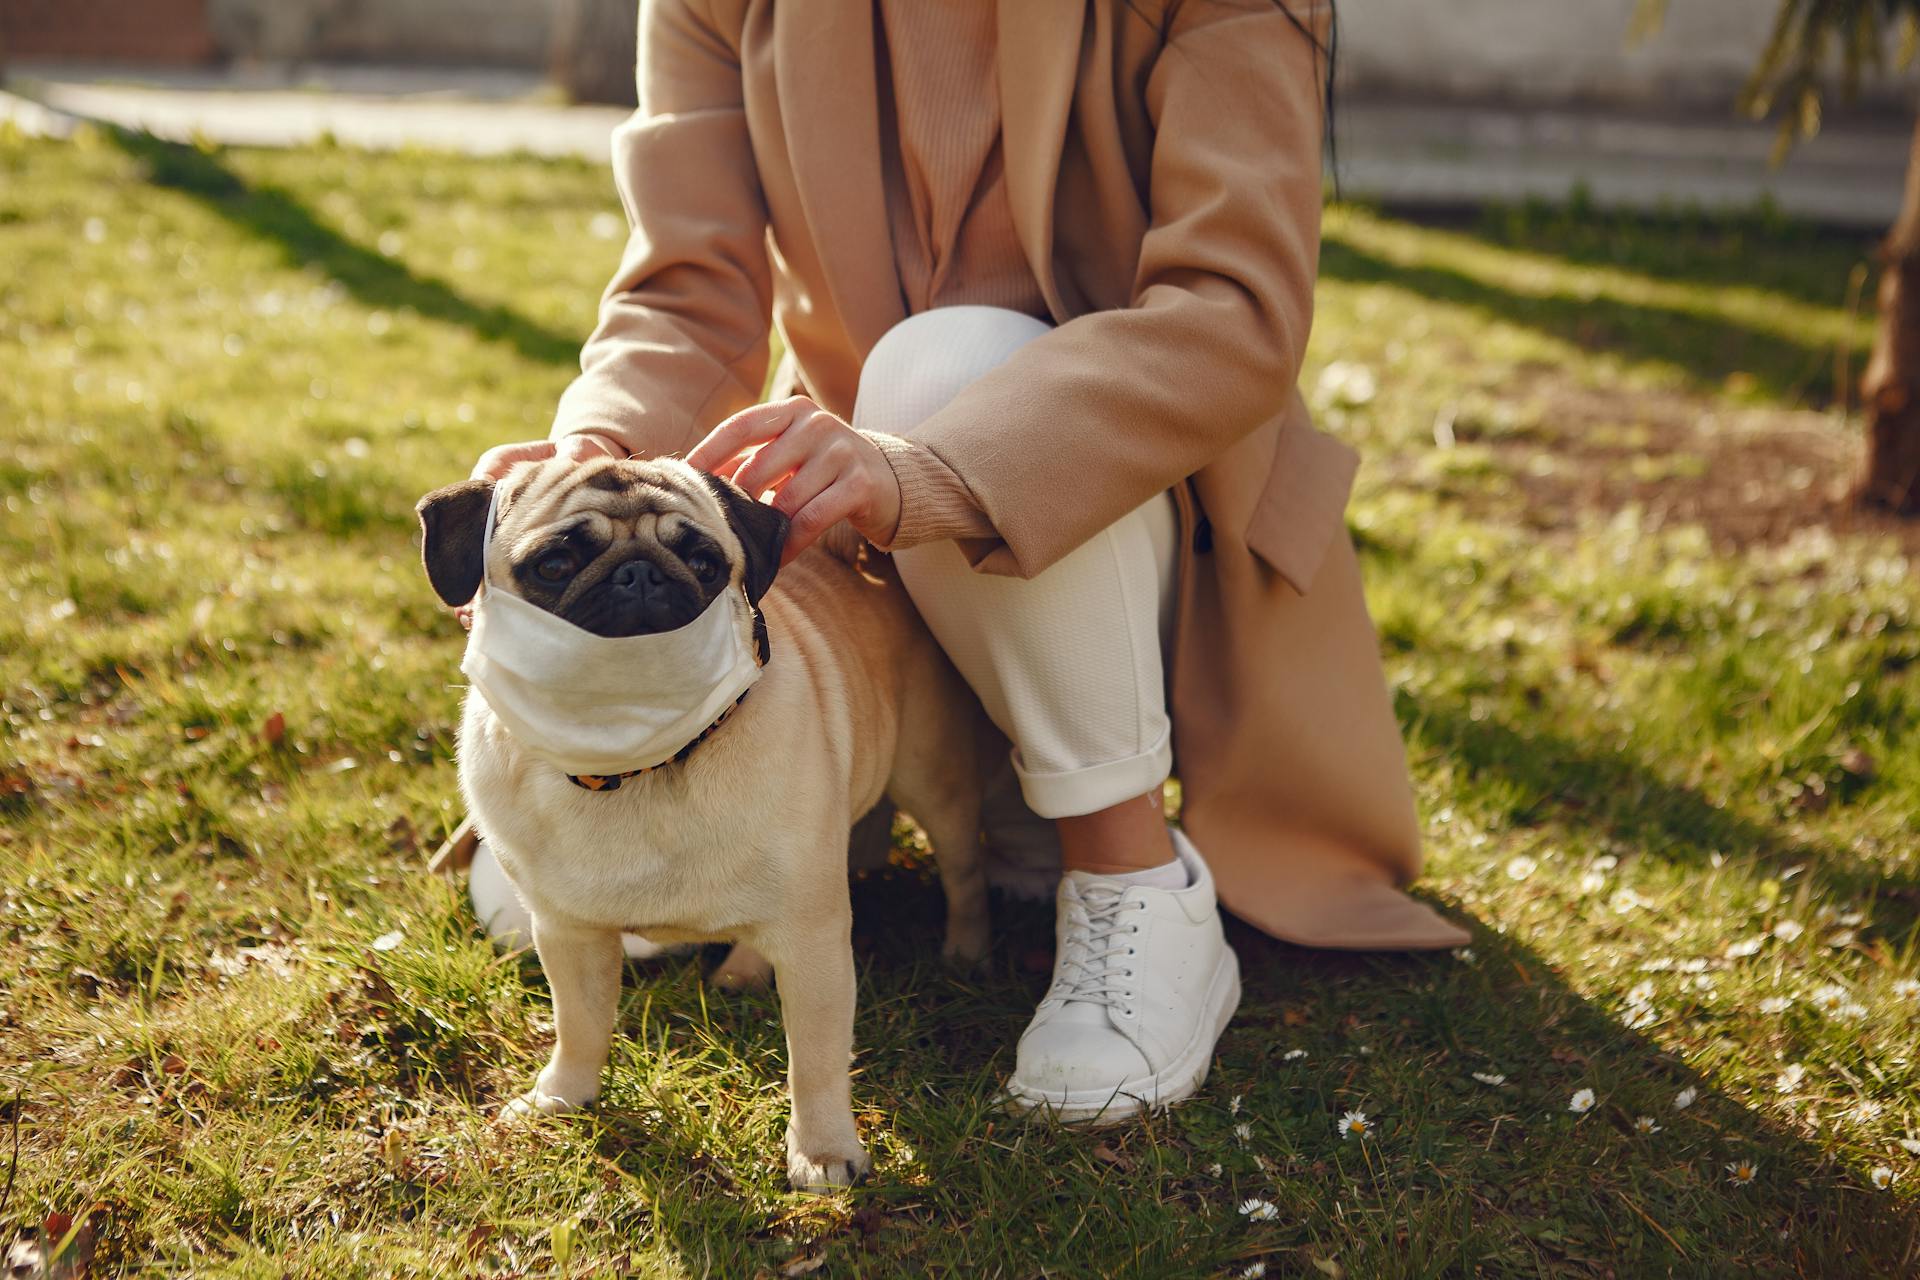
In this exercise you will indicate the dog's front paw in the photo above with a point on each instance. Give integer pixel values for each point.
(548, 1097)
(835, 1164)
(535, 1103)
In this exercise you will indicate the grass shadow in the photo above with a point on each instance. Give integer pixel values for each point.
(1460, 1180)
(276, 216)
(1707, 347)
(1557, 780)
(1806, 262)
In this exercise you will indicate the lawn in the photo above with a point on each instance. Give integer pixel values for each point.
(1659, 691)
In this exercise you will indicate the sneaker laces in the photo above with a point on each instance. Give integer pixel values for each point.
(1093, 940)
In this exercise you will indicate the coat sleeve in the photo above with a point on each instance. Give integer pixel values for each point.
(682, 336)
(1085, 423)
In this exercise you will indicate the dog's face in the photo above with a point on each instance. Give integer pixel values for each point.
(616, 548)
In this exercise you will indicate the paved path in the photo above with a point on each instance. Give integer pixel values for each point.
(1401, 154)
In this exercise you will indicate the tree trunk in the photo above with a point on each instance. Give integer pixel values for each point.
(592, 53)
(1890, 387)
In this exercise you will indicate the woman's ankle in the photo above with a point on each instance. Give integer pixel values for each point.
(1129, 836)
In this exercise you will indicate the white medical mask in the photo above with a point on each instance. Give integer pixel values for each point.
(597, 706)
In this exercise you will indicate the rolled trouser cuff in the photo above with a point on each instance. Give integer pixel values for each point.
(1069, 793)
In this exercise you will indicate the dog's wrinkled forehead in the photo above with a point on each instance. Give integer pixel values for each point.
(615, 500)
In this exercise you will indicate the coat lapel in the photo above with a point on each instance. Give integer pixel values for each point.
(829, 107)
(1038, 65)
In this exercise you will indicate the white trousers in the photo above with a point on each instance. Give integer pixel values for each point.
(1068, 663)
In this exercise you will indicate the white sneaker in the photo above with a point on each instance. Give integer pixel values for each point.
(1143, 984)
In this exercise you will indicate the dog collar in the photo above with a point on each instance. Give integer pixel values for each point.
(611, 781)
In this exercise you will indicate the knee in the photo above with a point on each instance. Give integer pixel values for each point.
(923, 362)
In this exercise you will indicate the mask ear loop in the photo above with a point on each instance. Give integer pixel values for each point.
(486, 539)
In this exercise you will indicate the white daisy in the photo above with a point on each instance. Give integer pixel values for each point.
(1354, 1124)
(1493, 1078)
(1642, 993)
(1685, 1098)
(1645, 1124)
(1293, 1055)
(1844, 938)
(1852, 1010)
(1776, 1004)
(1243, 1131)
(1910, 1145)
(1464, 955)
(1906, 988)
(1520, 867)
(1788, 930)
(1881, 1176)
(1259, 1210)
(1625, 900)
(1593, 882)
(1744, 948)
(1605, 862)
(1789, 1080)
(1254, 1270)
(1828, 998)
(1641, 1016)
(1233, 1105)
(1213, 1170)
(1741, 1172)
(1581, 1102)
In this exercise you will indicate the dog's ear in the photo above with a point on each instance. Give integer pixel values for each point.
(762, 531)
(453, 527)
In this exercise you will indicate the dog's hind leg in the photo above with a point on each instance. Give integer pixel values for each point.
(743, 969)
(939, 776)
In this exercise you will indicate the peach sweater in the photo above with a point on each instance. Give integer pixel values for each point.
(952, 228)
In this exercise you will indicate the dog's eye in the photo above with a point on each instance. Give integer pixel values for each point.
(704, 566)
(554, 567)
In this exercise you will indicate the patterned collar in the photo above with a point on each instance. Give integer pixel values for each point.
(612, 781)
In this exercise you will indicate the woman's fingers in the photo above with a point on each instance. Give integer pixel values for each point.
(497, 461)
(585, 445)
(813, 438)
(827, 509)
(745, 429)
(811, 480)
(500, 459)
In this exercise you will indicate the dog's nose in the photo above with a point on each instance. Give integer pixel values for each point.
(640, 576)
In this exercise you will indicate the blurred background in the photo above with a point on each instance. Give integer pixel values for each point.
(1446, 104)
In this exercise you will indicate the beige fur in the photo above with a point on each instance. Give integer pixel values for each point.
(744, 841)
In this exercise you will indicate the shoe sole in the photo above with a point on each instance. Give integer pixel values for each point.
(1176, 1082)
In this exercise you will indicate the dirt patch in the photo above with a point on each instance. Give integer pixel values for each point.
(1751, 477)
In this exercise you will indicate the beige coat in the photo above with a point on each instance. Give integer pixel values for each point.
(1164, 177)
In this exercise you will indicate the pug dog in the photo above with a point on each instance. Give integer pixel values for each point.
(740, 833)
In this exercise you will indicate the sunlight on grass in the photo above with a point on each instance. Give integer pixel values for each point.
(1664, 760)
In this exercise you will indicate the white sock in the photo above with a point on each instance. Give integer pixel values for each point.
(1172, 874)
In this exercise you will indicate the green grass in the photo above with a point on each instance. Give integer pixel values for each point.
(1651, 733)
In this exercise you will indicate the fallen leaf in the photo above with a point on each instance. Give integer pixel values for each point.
(1107, 1155)
(803, 1265)
(274, 729)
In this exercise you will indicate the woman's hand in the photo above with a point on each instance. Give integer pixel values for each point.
(497, 461)
(821, 470)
